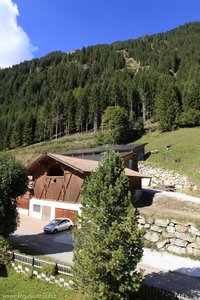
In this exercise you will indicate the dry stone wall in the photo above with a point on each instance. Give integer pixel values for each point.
(161, 177)
(171, 235)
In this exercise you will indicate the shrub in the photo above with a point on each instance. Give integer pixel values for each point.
(4, 247)
(190, 118)
(49, 270)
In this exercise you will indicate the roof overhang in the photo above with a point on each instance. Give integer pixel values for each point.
(79, 164)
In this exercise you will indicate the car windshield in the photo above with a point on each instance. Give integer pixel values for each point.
(53, 222)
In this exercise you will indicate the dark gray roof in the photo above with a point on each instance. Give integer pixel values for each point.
(99, 156)
(117, 148)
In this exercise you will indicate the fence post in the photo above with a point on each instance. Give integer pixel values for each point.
(56, 268)
(13, 256)
(33, 260)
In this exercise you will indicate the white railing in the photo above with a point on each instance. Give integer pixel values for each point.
(38, 263)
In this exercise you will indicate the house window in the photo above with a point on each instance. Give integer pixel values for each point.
(55, 170)
(36, 208)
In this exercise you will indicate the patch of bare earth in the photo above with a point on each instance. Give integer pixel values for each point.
(170, 204)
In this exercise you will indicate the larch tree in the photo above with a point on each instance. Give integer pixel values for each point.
(108, 242)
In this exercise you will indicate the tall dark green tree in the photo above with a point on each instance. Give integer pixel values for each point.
(13, 183)
(69, 112)
(16, 138)
(167, 104)
(29, 129)
(41, 125)
(82, 109)
(108, 243)
(94, 106)
(191, 91)
(145, 83)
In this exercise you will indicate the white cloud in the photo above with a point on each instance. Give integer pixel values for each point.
(15, 45)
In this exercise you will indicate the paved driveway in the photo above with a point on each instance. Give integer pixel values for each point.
(30, 234)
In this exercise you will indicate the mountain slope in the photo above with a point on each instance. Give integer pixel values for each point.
(156, 78)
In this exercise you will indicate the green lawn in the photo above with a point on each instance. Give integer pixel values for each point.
(18, 286)
(184, 154)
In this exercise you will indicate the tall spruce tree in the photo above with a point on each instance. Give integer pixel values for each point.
(167, 104)
(108, 243)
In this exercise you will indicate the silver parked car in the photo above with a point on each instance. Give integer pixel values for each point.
(58, 224)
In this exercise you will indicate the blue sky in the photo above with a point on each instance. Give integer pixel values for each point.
(65, 25)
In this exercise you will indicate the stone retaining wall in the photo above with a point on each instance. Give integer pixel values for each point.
(171, 235)
(161, 177)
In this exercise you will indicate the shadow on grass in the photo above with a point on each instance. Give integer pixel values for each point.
(175, 282)
(3, 271)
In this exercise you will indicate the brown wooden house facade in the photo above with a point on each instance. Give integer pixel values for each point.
(56, 185)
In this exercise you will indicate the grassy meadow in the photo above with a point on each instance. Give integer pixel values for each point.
(183, 155)
(76, 141)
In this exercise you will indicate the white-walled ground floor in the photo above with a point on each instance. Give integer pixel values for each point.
(48, 210)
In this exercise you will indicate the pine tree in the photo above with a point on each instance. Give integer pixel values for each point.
(108, 243)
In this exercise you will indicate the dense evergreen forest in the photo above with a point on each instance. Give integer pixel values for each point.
(155, 78)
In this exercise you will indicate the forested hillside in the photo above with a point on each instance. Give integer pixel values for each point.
(156, 78)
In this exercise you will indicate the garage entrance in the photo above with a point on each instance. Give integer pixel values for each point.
(46, 213)
(66, 213)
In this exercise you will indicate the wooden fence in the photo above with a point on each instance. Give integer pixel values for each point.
(145, 292)
(38, 263)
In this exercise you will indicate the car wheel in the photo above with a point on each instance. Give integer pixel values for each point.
(70, 227)
(55, 231)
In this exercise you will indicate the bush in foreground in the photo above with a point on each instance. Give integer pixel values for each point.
(13, 183)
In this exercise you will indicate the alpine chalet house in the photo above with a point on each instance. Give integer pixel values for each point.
(57, 180)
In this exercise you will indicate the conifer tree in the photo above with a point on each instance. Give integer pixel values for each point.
(167, 104)
(108, 243)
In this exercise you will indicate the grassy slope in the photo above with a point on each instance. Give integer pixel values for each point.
(76, 141)
(19, 286)
(184, 154)
(182, 157)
